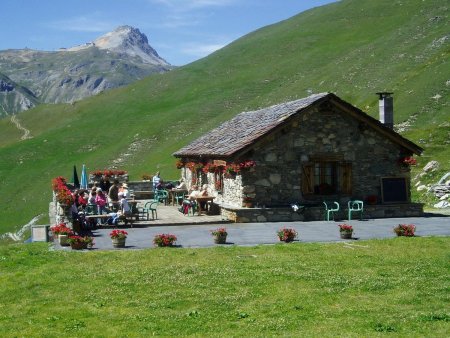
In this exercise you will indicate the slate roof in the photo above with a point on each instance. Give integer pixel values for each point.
(247, 127)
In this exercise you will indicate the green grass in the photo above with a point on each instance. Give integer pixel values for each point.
(396, 286)
(352, 48)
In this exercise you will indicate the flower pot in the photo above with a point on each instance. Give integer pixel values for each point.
(220, 239)
(118, 242)
(62, 240)
(346, 234)
(78, 246)
(287, 239)
(247, 204)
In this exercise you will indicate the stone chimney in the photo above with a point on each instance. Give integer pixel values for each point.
(386, 104)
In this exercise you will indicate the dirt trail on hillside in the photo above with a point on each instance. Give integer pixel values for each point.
(26, 133)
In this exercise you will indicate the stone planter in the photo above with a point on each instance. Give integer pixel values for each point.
(346, 234)
(220, 239)
(118, 242)
(62, 240)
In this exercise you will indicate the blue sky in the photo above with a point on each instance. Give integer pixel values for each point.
(181, 31)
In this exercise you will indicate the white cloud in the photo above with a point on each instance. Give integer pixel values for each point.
(183, 5)
(81, 24)
(201, 50)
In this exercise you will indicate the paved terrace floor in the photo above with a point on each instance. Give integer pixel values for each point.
(194, 231)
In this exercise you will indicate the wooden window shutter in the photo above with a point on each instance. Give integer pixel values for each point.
(345, 178)
(308, 179)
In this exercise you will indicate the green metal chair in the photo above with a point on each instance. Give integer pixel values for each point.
(355, 206)
(91, 209)
(149, 207)
(331, 208)
(179, 197)
(161, 196)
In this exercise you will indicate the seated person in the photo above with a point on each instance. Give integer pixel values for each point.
(124, 210)
(160, 185)
(124, 205)
(204, 191)
(169, 186)
(182, 185)
(193, 192)
(189, 202)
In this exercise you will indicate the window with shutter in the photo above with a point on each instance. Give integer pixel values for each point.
(324, 177)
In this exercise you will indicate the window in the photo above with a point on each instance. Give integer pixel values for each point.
(326, 178)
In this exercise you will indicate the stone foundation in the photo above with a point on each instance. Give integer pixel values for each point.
(286, 214)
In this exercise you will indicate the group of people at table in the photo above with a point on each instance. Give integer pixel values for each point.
(191, 198)
(109, 199)
(103, 198)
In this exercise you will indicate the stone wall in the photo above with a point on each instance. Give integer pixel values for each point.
(286, 214)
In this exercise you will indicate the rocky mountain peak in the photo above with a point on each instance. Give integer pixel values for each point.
(126, 40)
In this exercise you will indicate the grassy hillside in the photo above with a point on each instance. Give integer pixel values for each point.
(353, 48)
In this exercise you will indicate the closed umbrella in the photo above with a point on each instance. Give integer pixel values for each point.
(75, 180)
(84, 179)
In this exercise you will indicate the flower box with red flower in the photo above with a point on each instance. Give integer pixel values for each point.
(180, 164)
(406, 230)
(209, 168)
(118, 238)
(407, 161)
(287, 234)
(220, 235)
(231, 170)
(162, 240)
(345, 231)
(80, 242)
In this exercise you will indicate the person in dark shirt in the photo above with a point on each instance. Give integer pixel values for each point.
(105, 184)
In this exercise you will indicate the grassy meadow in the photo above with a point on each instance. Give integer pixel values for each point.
(367, 289)
(352, 48)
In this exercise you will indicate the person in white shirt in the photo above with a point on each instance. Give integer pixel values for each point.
(156, 180)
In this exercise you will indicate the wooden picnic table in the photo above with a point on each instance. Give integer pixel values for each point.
(205, 199)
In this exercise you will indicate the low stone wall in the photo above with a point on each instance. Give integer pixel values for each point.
(140, 185)
(286, 214)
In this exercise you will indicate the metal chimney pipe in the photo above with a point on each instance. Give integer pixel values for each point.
(386, 105)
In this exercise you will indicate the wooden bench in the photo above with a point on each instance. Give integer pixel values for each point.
(129, 219)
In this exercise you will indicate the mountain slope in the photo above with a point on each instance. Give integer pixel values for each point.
(352, 48)
(115, 59)
(13, 95)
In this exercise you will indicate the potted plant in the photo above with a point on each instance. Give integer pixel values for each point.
(118, 238)
(164, 240)
(62, 233)
(406, 230)
(287, 234)
(146, 177)
(79, 242)
(220, 235)
(372, 199)
(179, 164)
(345, 231)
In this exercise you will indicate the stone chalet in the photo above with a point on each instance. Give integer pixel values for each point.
(315, 149)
